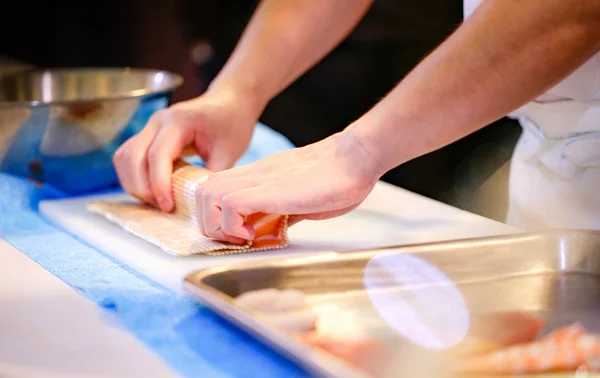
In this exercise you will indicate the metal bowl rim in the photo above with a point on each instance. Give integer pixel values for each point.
(177, 81)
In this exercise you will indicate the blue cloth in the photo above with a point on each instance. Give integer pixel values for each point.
(188, 336)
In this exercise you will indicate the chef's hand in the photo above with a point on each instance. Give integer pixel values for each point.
(319, 181)
(218, 124)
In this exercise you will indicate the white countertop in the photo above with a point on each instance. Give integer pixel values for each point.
(48, 330)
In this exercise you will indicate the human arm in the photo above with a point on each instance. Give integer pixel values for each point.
(506, 54)
(283, 40)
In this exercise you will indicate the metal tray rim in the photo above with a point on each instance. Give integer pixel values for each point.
(358, 253)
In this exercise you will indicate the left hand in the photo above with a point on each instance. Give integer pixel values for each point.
(323, 180)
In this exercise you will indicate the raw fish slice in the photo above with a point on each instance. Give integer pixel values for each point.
(294, 321)
(494, 331)
(366, 354)
(286, 308)
(290, 299)
(272, 300)
(507, 328)
(257, 300)
(267, 229)
(340, 325)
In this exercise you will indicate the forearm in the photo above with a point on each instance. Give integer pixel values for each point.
(283, 40)
(505, 55)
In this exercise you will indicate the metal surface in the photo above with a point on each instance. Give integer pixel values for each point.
(10, 66)
(83, 85)
(554, 275)
(62, 126)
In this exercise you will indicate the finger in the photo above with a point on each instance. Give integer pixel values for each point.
(220, 159)
(202, 192)
(211, 214)
(262, 198)
(326, 214)
(295, 219)
(131, 167)
(211, 217)
(140, 188)
(165, 148)
(121, 167)
(200, 211)
(283, 198)
(238, 177)
(245, 170)
(234, 211)
(130, 161)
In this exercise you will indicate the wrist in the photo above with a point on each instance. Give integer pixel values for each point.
(379, 147)
(247, 91)
(365, 158)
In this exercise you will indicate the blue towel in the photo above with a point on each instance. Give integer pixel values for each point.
(188, 336)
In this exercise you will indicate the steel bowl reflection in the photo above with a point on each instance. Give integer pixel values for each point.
(62, 126)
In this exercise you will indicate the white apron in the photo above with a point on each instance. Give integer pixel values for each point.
(555, 170)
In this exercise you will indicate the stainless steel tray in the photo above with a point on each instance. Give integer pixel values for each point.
(554, 275)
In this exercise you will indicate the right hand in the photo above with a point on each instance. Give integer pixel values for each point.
(219, 125)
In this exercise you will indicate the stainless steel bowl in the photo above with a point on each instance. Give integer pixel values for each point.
(62, 126)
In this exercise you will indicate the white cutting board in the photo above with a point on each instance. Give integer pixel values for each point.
(389, 216)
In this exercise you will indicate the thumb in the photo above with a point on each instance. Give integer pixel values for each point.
(221, 158)
(294, 219)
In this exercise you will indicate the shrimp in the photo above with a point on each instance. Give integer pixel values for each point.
(566, 349)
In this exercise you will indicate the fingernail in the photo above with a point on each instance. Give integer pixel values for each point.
(164, 203)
